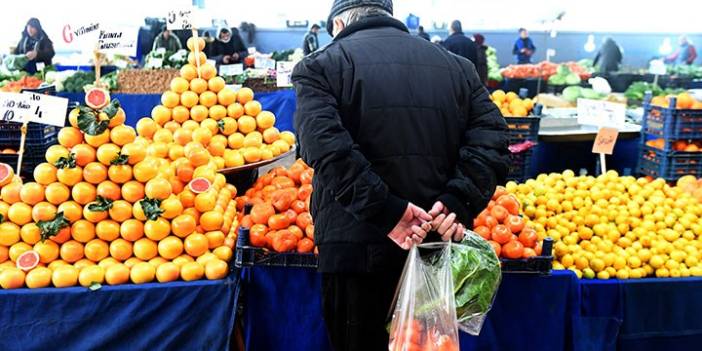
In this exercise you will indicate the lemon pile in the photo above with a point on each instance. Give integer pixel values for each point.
(615, 227)
(511, 105)
(200, 108)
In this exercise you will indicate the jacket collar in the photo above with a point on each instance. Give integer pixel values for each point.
(371, 22)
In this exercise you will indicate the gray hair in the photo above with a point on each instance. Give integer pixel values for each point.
(357, 13)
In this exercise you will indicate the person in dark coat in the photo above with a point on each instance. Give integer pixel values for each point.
(393, 127)
(481, 65)
(459, 44)
(168, 41)
(311, 42)
(422, 34)
(35, 45)
(609, 57)
(228, 48)
(523, 48)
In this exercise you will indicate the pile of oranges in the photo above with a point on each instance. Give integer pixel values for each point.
(229, 126)
(280, 219)
(112, 204)
(511, 105)
(683, 101)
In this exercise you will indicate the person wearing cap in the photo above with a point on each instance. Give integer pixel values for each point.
(228, 48)
(311, 42)
(167, 41)
(406, 146)
(35, 45)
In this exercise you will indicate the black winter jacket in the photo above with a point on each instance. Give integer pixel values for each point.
(384, 118)
(461, 45)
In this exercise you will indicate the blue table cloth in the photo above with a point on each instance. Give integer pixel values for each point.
(531, 312)
(173, 316)
(136, 106)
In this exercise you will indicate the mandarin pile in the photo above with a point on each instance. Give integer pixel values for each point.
(112, 204)
(280, 219)
(200, 117)
(615, 227)
(511, 105)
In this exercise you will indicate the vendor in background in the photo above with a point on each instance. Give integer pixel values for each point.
(523, 48)
(35, 45)
(421, 33)
(311, 42)
(459, 44)
(685, 54)
(167, 41)
(228, 48)
(609, 57)
(481, 64)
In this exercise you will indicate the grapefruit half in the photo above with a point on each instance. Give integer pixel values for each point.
(199, 185)
(97, 98)
(27, 260)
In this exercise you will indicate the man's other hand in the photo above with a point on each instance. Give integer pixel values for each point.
(412, 227)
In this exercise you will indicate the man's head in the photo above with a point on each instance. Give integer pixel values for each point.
(523, 33)
(166, 33)
(224, 35)
(346, 12)
(479, 39)
(683, 40)
(315, 28)
(33, 27)
(420, 29)
(456, 27)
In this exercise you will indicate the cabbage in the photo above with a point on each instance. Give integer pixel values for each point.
(572, 93)
(572, 79)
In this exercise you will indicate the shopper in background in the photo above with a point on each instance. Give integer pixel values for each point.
(459, 44)
(35, 45)
(311, 41)
(523, 48)
(393, 127)
(481, 64)
(167, 41)
(421, 33)
(609, 57)
(685, 54)
(228, 48)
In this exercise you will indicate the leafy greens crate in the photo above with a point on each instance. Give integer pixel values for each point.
(671, 123)
(253, 256)
(535, 265)
(669, 165)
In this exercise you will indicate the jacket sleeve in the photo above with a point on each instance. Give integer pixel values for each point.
(483, 156)
(328, 148)
(45, 51)
(531, 46)
(515, 48)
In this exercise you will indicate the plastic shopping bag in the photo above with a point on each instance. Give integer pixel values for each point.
(425, 312)
(451, 287)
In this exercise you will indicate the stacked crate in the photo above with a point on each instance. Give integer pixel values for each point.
(522, 129)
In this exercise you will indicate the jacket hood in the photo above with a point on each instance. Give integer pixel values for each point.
(221, 30)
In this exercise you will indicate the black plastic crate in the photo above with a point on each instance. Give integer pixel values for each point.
(11, 133)
(34, 154)
(520, 165)
(523, 129)
(669, 123)
(254, 256)
(534, 265)
(669, 165)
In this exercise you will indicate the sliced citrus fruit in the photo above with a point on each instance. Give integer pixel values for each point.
(28, 260)
(199, 185)
(6, 174)
(97, 98)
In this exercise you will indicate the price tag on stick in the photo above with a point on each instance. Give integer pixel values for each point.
(47, 109)
(14, 107)
(604, 144)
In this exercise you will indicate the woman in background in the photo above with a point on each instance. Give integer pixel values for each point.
(481, 63)
(35, 45)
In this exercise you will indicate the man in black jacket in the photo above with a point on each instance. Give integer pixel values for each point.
(228, 48)
(459, 44)
(393, 126)
(311, 41)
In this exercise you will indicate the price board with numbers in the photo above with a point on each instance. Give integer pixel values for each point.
(14, 107)
(47, 109)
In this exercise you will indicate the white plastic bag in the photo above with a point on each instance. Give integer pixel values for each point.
(425, 312)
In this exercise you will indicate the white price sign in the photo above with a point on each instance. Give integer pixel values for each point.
(81, 36)
(601, 113)
(657, 67)
(263, 62)
(32, 107)
(47, 109)
(231, 70)
(14, 107)
(283, 72)
(118, 40)
(180, 19)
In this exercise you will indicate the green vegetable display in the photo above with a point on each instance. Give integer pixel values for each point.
(77, 82)
(15, 62)
(690, 71)
(637, 91)
(564, 76)
(493, 66)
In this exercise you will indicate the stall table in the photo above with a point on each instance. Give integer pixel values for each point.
(195, 315)
(531, 312)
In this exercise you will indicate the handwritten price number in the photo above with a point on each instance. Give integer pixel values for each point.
(183, 16)
(8, 116)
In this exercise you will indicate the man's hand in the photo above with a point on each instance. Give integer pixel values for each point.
(226, 59)
(412, 228)
(31, 55)
(445, 223)
(235, 56)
